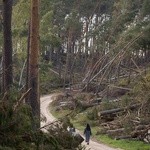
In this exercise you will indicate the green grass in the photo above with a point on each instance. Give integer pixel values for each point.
(124, 144)
(58, 114)
(80, 121)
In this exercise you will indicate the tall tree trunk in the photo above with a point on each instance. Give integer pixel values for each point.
(59, 61)
(7, 51)
(68, 59)
(33, 63)
(27, 66)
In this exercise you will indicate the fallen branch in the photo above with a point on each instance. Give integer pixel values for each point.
(5, 94)
(53, 122)
(115, 131)
(49, 124)
(20, 100)
(116, 110)
(122, 88)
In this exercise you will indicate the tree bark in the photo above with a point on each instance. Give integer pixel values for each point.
(27, 66)
(69, 57)
(7, 50)
(116, 110)
(34, 99)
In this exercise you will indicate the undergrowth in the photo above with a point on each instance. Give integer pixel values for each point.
(138, 95)
(17, 130)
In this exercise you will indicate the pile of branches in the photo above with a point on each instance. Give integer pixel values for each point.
(122, 123)
(131, 118)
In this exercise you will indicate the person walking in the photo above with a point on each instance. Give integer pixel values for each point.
(87, 133)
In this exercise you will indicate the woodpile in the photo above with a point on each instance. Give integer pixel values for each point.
(133, 128)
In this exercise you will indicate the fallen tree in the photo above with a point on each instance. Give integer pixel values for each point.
(112, 112)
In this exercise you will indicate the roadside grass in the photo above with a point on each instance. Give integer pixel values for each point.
(80, 121)
(58, 114)
(123, 144)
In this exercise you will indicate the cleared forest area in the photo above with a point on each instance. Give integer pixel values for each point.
(109, 59)
(97, 53)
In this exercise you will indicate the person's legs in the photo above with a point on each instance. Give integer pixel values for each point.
(87, 137)
(87, 140)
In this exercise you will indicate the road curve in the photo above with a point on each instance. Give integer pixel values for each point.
(45, 101)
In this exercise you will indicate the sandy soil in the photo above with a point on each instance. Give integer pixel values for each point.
(48, 118)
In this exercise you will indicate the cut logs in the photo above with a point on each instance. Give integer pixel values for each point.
(109, 115)
(114, 129)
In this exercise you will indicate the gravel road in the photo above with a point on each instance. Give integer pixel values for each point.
(45, 101)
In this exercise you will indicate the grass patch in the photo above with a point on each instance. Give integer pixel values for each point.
(124, 144)
(58, 114)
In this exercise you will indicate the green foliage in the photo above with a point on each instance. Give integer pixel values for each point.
(48, 80)
(21, 13)
(17, 130)
(123, 82)
(20, 18)
(106, 105)
(142, 87)
(68, 141)
(48, 32)
(6, 148)
(72, 22)
(14, 121)
(145, 7)
(93, 114)
(81, 119)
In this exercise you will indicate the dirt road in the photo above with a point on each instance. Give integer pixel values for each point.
(45, 101)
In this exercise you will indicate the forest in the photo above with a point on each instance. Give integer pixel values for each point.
(95, 54)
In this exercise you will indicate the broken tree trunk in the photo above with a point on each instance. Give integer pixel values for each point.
(116, 110)
(120, 130)
(116, 132)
